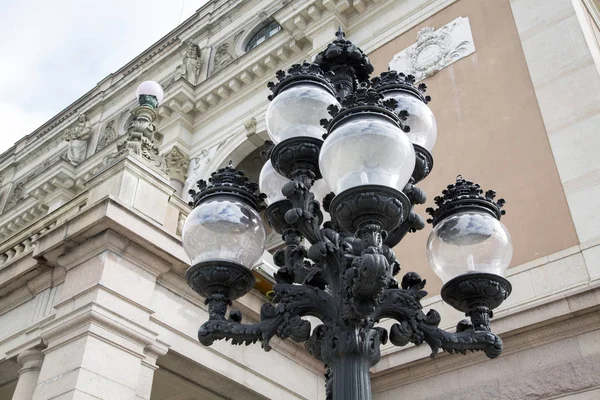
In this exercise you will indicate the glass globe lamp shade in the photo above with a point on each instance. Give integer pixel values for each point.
(297, 111)
(366, 149)
(150, 88)
(423, 128)
(320, 189)
(469, 241)
(271, 182)
(224, 228)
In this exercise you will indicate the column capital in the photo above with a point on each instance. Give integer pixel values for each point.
(30, 360)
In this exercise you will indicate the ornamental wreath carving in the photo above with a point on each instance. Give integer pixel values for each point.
(435, 49)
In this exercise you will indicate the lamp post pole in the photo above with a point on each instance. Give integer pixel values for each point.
(370, 140)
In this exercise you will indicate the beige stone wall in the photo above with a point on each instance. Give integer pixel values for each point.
(560, 360)
(490, 130)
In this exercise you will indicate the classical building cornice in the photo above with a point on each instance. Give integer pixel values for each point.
(307, 26)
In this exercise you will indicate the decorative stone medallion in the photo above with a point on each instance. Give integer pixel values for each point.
(435, 49)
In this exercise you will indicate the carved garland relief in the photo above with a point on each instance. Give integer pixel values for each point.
(435, 49)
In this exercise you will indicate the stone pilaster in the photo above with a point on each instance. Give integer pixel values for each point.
(100, 343)
(177, 164)
(31, 363)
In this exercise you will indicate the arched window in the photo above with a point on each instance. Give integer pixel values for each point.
(268, 30)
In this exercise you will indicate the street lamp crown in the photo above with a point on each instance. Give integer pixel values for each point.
(300, 73)
(228, 181)
(465, 195)
(393, 80)
(342, 52)
(364, 99)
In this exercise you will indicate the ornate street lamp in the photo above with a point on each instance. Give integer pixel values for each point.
(379, 133)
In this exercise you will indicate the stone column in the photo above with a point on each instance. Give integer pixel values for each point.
(31, 364)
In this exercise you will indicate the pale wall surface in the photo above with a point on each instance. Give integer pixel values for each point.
(490, 130)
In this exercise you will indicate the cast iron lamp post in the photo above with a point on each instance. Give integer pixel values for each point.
(371, 160)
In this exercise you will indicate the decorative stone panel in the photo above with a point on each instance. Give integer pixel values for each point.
(435, 49)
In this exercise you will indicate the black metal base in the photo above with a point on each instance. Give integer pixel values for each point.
(423, 163)
(298, 153)
(476, 288)
(358, 206)
(217, 276)
(275, 215)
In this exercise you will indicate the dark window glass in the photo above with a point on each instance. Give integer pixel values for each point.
(263, 34)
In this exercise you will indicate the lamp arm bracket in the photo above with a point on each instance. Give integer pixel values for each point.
(416, 327)
(282, 318)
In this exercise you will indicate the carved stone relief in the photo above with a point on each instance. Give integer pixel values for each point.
(191, 64)
(250, 126)
(177, 164)
(77, 135)
(197, 166)
(17, 194)
(435, 49)
(223, 57)
(109, 134)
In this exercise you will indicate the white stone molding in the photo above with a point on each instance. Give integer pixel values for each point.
(593, 8)
(435, 49)
(24, 247)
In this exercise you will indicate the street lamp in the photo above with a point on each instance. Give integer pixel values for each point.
(379, 133)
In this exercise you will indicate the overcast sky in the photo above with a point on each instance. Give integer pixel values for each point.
(54, 51)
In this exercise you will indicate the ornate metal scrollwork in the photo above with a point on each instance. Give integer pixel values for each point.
(345, 277)
(347, 281)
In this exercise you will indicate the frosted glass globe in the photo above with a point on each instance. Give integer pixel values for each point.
(150, 88)
(423, 128)
(320, 189)
(271, 182)
(367, 149)
(297, 111)
(469, 241)
(224, 228)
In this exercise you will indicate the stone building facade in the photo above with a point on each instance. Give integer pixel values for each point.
(93, 302)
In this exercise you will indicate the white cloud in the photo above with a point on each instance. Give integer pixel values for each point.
(56, 51)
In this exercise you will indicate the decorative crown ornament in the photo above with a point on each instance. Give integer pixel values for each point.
(297, 73)
(343, 52)
(364, 97)
(465, 195)
(228, 181)
(425, 33)
(389, 80)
